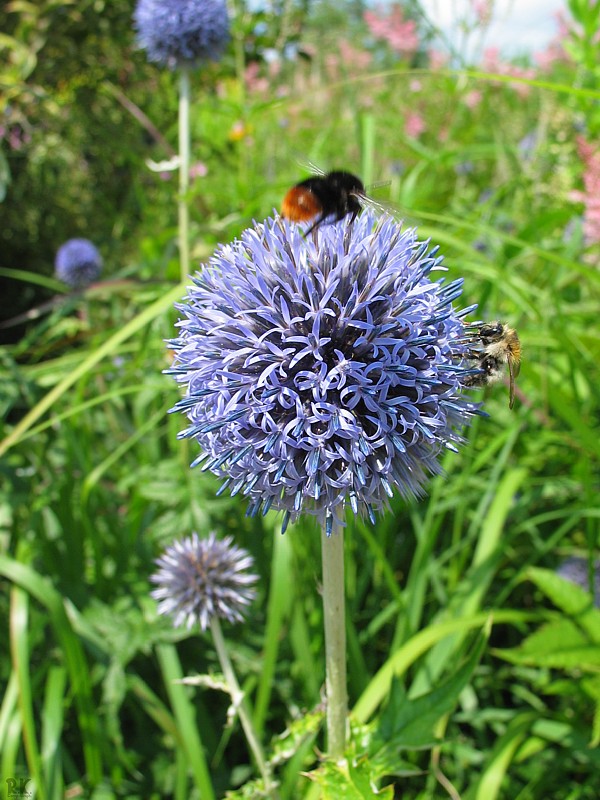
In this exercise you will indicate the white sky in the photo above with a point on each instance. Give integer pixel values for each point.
(518, 26)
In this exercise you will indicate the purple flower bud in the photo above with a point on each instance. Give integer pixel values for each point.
(199, 579)
(180, 32)
(78, 263)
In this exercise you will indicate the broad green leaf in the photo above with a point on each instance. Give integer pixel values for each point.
(410, 722)
(342, 781)
(560, 644)
(570, 598)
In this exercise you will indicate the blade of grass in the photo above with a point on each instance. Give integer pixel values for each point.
(115, 456)
(489, 783)
(303, 656)
(52, 726)
(11, 747)
(400, 661)
(7, 710)
(468, 594)
(278, 608)
(76, 663)
(189, 741)
(107, 397)
(19, 649)
(137, 323)
(32, 277)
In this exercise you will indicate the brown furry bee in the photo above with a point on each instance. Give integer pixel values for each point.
(497, 346)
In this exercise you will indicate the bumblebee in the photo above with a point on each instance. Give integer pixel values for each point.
(331, 196)
(495, 346)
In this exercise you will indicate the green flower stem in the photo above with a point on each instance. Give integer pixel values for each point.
(332, 548)
(237, 699)
(184, 172)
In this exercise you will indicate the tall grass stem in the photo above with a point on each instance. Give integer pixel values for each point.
(184, 172)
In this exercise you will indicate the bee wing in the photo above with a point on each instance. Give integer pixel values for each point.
(513, 371)
(401, 215)
(309, 166)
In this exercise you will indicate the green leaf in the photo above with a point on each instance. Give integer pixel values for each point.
(570, 598)
(410, 722)
(343, 781)
(591, 686)
(560, 644)
(189, 742)
(304, 728)
(569, 642)
(379, 687)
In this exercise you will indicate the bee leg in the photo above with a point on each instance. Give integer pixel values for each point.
(315, 224)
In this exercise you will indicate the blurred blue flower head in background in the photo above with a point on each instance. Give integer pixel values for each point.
(199, 579)
(180, 32)
(325, 370)
(577, 570)
(78, 263)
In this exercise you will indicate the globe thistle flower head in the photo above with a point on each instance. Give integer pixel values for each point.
(182, 32)
(323, 371)
(576, 570)
(78, 263)
(200, 579)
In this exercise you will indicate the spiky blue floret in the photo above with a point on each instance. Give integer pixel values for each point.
(78, 263)
(199, 579)
(321, 373)
(180, 32)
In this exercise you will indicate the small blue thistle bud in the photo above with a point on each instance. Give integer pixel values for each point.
(78, 263)
(323, 371)
(199, 579)
(182, 32)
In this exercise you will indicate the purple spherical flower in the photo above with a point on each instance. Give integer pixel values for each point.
(323, 371)
(78, 263)
(178, 32)
(576, 570)
(199, 579)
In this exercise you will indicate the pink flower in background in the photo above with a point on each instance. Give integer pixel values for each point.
(483, 11)
(414, 125)
(546, 58)
(254, 81)
(473, 98)
(198, 170)
(274, 68)
(353, 59)
(16, 137)
(491, 59)
(555, 50)
(332, 66)
(590, 197)
(400, 34)
(492, 62)
(437, 59)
